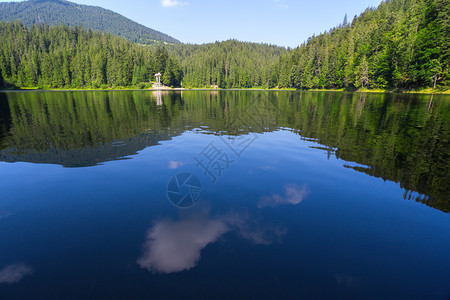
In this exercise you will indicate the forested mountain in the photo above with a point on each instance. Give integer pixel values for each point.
(58, 12)
(64, 57)
(400, 44)
(229, 64)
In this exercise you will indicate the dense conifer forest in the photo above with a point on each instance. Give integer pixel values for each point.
(59, 12)
(402, 44)
(64, 57)
(229, 64)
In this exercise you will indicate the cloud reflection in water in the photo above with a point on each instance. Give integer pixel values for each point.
(14, 273)
(293, 194)
(173, 165)
(174, 246)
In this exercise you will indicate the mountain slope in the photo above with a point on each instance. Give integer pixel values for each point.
(228, 64)
(57, 12)
(65, 57)
(401, 44)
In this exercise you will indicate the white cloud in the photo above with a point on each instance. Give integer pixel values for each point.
(293, 194)
(173, 165)
(346, 281)
(172, 3)
(281, 3)
(253, 231)
(14, 273)
(262, 235)
(175, 246)
(4, 214)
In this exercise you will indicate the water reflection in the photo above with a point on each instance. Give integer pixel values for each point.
(401, 138)
(159, 97)
(173, 165)
(14, 273)
(293, 194)
(346, 281)
(4, 214)
(284, 220)
(176, 245)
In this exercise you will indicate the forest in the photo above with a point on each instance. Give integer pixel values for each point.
(402, 44)
(229, 64)
(63, 57)
(58, 12)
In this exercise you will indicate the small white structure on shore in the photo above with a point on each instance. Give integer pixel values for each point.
(158, 79)
(159, 101)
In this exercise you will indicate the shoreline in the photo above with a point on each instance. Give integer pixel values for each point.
(381, 91)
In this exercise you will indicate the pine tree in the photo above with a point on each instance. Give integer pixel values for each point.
(64, 57)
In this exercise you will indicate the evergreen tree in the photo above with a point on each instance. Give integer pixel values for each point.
(229, 64)
(63, 57)
(402, 43)
(56, 13)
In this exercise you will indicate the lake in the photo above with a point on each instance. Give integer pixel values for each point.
(220, 194)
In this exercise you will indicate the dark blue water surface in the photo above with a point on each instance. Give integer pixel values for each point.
(231, 194)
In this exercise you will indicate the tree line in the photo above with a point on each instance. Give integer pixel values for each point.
(229, 64)
(401, 44)
(65, 57)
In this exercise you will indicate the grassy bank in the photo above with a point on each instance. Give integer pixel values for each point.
(406, 91)
(444, 91)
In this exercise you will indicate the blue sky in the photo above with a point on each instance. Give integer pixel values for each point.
(280, 22)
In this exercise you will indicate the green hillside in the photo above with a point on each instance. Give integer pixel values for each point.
(57, 12)
(65, 57)
(228, 64)
(400, 44)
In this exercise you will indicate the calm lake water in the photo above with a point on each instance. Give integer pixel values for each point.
(206, 194)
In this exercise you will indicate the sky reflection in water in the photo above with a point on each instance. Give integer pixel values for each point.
(323, 195)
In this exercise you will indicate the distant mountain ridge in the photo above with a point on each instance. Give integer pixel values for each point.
(57, 12)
